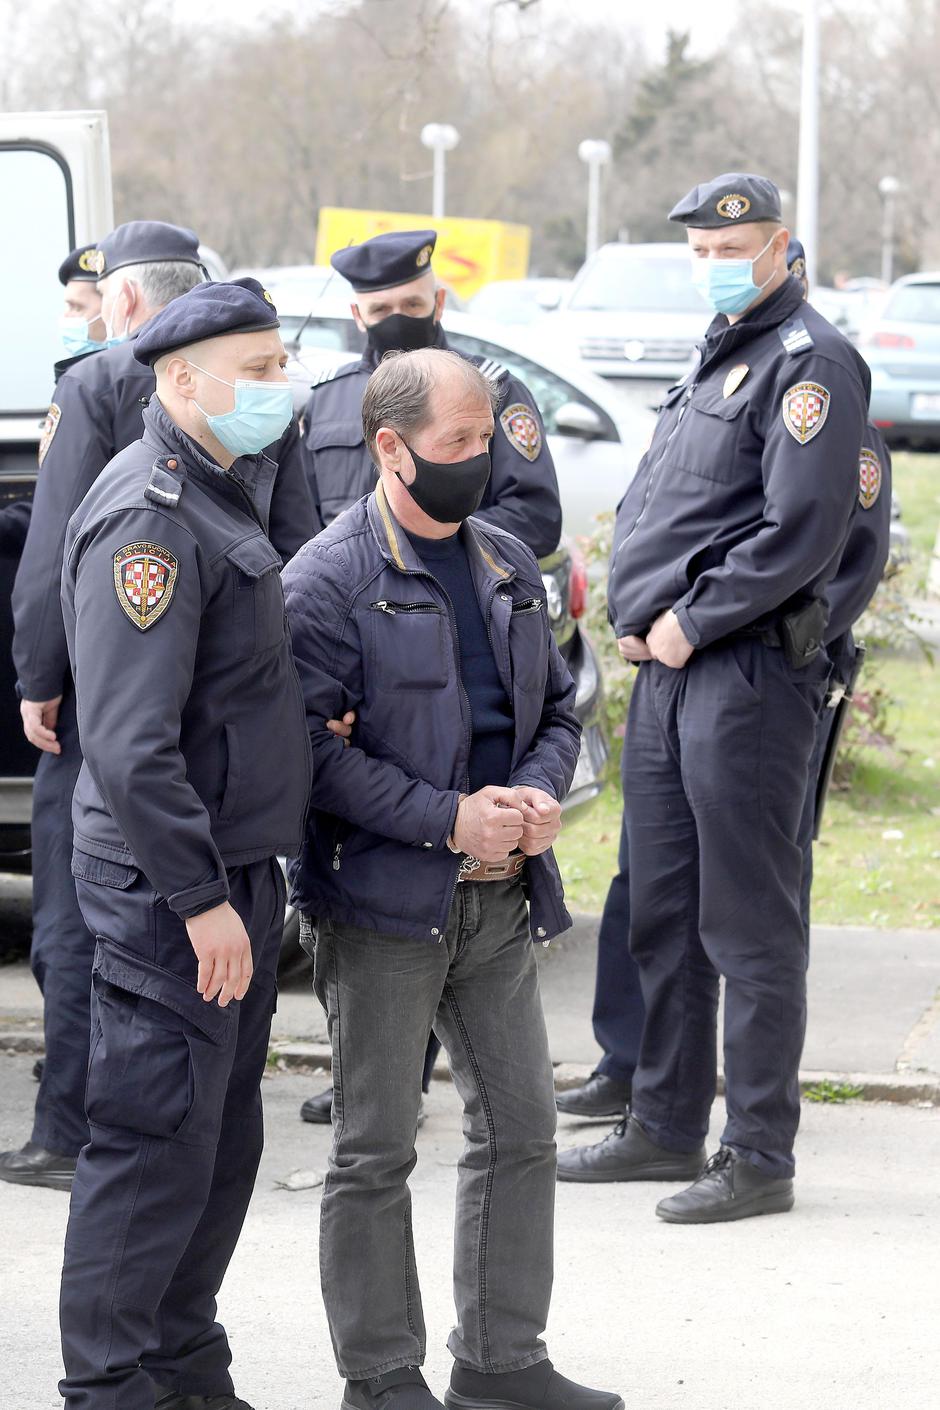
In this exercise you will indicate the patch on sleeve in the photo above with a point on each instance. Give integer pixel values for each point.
(49, 428)
(869, 477)
(145, 579)
(522, 430)
(805, 408)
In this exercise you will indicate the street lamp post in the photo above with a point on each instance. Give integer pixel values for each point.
(595, 153)
(807, 189)
(888, 187)
(441, 138)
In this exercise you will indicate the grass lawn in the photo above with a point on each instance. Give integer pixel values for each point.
(878, 859)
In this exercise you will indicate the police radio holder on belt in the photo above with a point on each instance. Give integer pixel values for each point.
(839, 699)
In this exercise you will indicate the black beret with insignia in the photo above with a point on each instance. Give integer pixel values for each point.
(146, 242)
(386, 260)
(208, 311)
(79, 264)
(731, 199)
(796, 258)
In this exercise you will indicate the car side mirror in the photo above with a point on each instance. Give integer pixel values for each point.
(547, 301)
(576, 419)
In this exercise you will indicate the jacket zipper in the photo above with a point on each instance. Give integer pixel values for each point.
(649, 481)
(531, 604)
(391, 609)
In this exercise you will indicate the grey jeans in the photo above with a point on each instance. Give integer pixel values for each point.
(479, 989)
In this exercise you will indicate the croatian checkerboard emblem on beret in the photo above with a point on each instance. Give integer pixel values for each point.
(869, 477)
(733, 206)
(145, 579)
(522, 429)
(49, 428)
(805, 408)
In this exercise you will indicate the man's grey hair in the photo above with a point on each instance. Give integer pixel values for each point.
(163, 281)
(398, 394)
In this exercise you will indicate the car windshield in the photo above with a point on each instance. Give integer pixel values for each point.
(914, 303)
(639, 284)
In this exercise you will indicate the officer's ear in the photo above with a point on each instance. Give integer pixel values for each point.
(175, 372)
(440, 298)
(358, 318)
(780, 244)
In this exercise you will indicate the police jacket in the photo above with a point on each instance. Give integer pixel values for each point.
(189, 709)
(522, 494)
(740, 508)
(374, 631)
(96, 412)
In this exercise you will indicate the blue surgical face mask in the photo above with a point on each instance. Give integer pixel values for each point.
(728, 284)
(261, 414)
(74, 335)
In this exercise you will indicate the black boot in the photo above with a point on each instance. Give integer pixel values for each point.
(599, 1097)
(38, 1068)
(34, 1166)
(318, 1109)
(404, 1389)
(537, 1387)
(729, 1187)
(628, 1154)
(174, 1400)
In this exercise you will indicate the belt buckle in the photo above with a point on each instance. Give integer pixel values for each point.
(467, 867)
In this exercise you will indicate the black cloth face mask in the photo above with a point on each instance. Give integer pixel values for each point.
(399, 332)
(448, 493)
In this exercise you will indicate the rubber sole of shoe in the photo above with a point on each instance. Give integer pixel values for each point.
(453, 1401)
(672, 1173)
(610, 1113)
(316, 1120)
(62, 1181)
(749, 1209)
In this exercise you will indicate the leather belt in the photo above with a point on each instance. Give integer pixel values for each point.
(473, 870)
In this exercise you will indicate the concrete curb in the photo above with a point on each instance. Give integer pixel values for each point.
(905, 1088)
(910, 1089)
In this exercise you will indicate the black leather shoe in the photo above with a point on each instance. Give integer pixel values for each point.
(404, 1389)
(34, 1166)
(173, 1400)
(319, 1109)
(537, 1387)
(600, 1097)
(628, 1154)
(729, 1187)
(38, 1067)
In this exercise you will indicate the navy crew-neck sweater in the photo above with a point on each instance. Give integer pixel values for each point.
(490, 708)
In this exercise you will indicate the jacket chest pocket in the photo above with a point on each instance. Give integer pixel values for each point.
(258, 599)
(707, 441)
(342, 467)
(409, 645)
(527, 644)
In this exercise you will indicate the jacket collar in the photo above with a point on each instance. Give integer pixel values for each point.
(250, 474)
(486, 562)
(723, 337)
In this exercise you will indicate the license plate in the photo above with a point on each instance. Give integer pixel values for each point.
(925, 406)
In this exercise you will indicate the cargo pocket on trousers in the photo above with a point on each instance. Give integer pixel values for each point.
(160, 1055)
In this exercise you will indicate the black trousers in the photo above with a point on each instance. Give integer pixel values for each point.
(716, 766)
(63, 947)
(174, 1110)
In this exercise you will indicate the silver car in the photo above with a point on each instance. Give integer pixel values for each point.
(631, 312)
(901, 344)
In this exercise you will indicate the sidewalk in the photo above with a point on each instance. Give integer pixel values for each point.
(874, 1011)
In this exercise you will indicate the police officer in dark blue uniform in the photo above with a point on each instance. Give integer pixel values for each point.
(399, 309)
(724, 545)
(97, 411)
(196, 775)
(618, 1000)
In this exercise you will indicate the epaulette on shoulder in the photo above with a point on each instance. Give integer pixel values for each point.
(164, 488)
(491, 368)
(330, 374)
(795, 336)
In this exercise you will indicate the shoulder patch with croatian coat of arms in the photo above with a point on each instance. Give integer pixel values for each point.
(145, 579)
(805, 408)
(869, 477)
(522, 430)
(49, 428)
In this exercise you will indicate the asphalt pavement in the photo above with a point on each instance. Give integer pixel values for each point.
(834, 1305)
